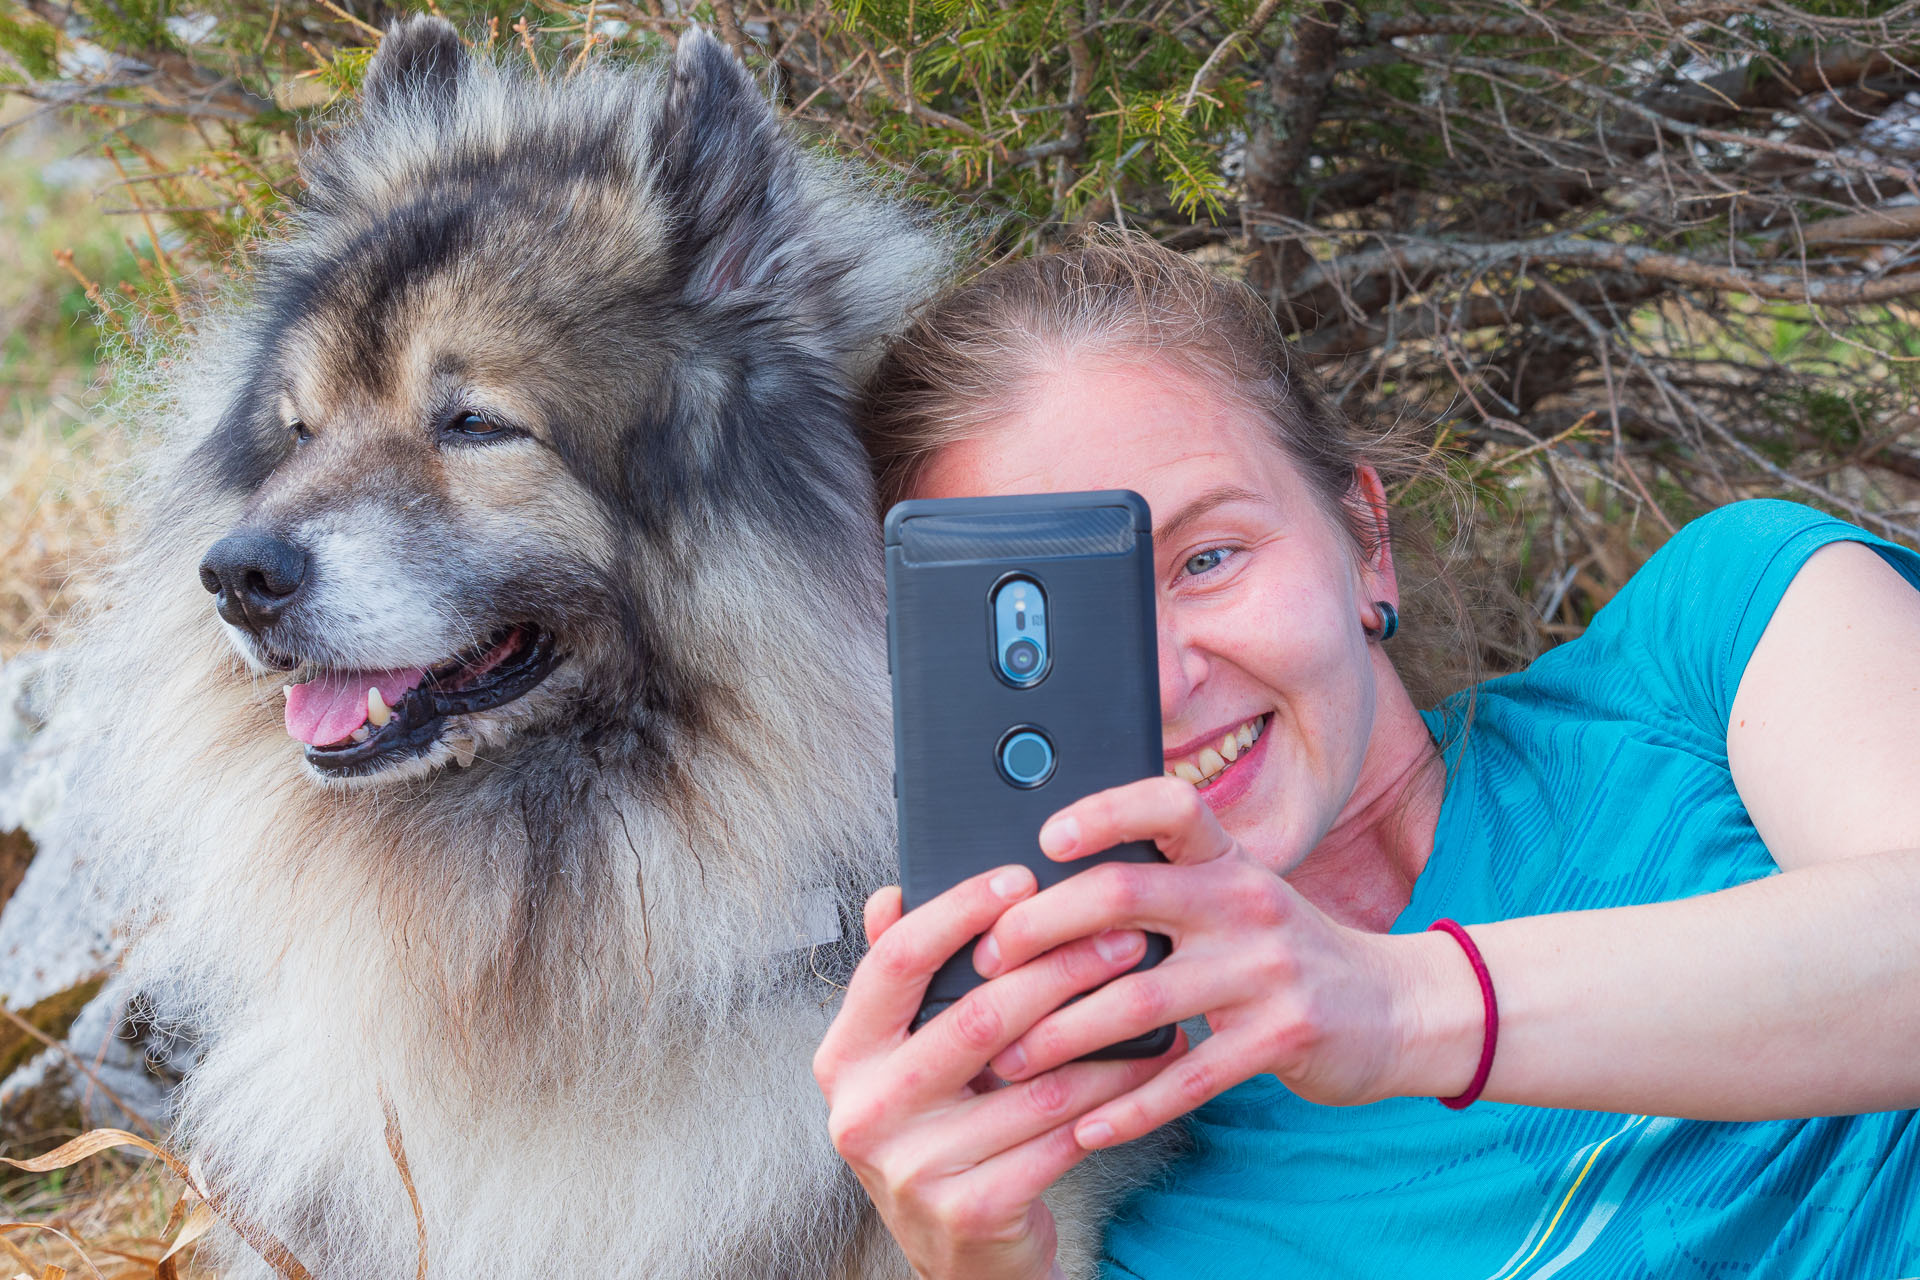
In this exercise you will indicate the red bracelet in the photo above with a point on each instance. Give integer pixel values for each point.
(1492, 1008)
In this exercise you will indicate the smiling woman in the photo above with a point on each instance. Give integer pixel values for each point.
(1687, 844)
(1090, 317)
(1123, 365)
(1260, 574)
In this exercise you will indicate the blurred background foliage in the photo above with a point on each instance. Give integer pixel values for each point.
(1623, 261)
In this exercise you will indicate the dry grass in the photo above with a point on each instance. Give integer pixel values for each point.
(108, 1217)
(54, 232)
(55, 514)
(56, 517)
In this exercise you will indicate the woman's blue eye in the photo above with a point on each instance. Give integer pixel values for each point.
(1207, 561)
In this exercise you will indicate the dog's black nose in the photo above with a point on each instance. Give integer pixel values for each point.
(254, 577)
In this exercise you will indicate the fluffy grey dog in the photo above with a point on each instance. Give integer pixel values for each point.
(489, 722)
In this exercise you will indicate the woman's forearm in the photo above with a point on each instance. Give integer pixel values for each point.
(1797, 995)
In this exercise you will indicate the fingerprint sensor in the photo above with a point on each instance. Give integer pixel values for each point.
(1026, 757)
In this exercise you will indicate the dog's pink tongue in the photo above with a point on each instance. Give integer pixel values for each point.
(327, 708)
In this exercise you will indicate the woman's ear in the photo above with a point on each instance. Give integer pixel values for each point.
(1373, 516)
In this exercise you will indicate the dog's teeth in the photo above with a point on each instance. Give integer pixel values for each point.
(378, 713)
(463, 753)
(359, 735)
(1187, 773)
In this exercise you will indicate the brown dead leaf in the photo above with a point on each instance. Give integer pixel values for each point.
(398, 1149)
(198, 1223)
(95, 1141)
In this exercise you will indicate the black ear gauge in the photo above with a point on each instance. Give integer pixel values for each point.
(1389, 622)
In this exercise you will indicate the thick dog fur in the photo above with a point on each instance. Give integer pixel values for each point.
(572, 967)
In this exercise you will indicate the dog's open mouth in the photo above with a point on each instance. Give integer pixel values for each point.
(353, 722)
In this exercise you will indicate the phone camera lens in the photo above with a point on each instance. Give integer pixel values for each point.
(1022, 657)
(1020, 643)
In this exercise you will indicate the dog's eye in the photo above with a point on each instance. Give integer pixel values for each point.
(474, 428)
(300, 432)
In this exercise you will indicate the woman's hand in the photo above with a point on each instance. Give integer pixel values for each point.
(954, 1162)
(1339, 1015)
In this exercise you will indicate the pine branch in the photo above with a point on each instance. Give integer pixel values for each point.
(1573, 251)
(1215, 65)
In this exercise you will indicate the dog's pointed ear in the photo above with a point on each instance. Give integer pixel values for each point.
(759, 221)
(723, 167)
(420, 59)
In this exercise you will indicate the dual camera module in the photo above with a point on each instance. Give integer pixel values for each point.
(1022, 658)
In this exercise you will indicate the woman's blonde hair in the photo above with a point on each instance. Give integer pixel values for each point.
(969, 357)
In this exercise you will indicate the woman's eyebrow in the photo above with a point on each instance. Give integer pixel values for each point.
(1200, 506)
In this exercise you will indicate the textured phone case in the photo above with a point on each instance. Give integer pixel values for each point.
(1099, 703)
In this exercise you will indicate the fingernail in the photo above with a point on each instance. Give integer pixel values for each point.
(1117, 944)
(1008, 883)
(1013, 1062)
(1059, 836)
(1096, 1133)
(986, 961)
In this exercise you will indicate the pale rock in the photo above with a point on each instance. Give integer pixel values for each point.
(57, 932)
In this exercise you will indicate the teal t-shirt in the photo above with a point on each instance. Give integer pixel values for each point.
(1597, 777)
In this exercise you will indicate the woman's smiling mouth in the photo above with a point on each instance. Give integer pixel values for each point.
(1205, 765)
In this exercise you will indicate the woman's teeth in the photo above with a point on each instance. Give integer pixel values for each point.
(1210, 762)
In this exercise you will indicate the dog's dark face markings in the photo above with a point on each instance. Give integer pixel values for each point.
(494, 399)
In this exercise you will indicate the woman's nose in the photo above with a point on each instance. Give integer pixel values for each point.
(1183, 666)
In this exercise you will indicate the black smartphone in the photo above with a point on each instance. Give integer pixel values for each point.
(1021, 637)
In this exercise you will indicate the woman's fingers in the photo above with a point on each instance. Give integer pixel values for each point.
(1118, 895)
(888, 984)
(997, 1188)
(1211, 1068)
(1164, 810)
(882, 911)
(999, 1121)
(1131, 1005)
(1175, 901)
(952, 1048)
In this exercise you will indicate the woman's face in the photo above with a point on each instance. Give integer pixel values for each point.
(1262, 597)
